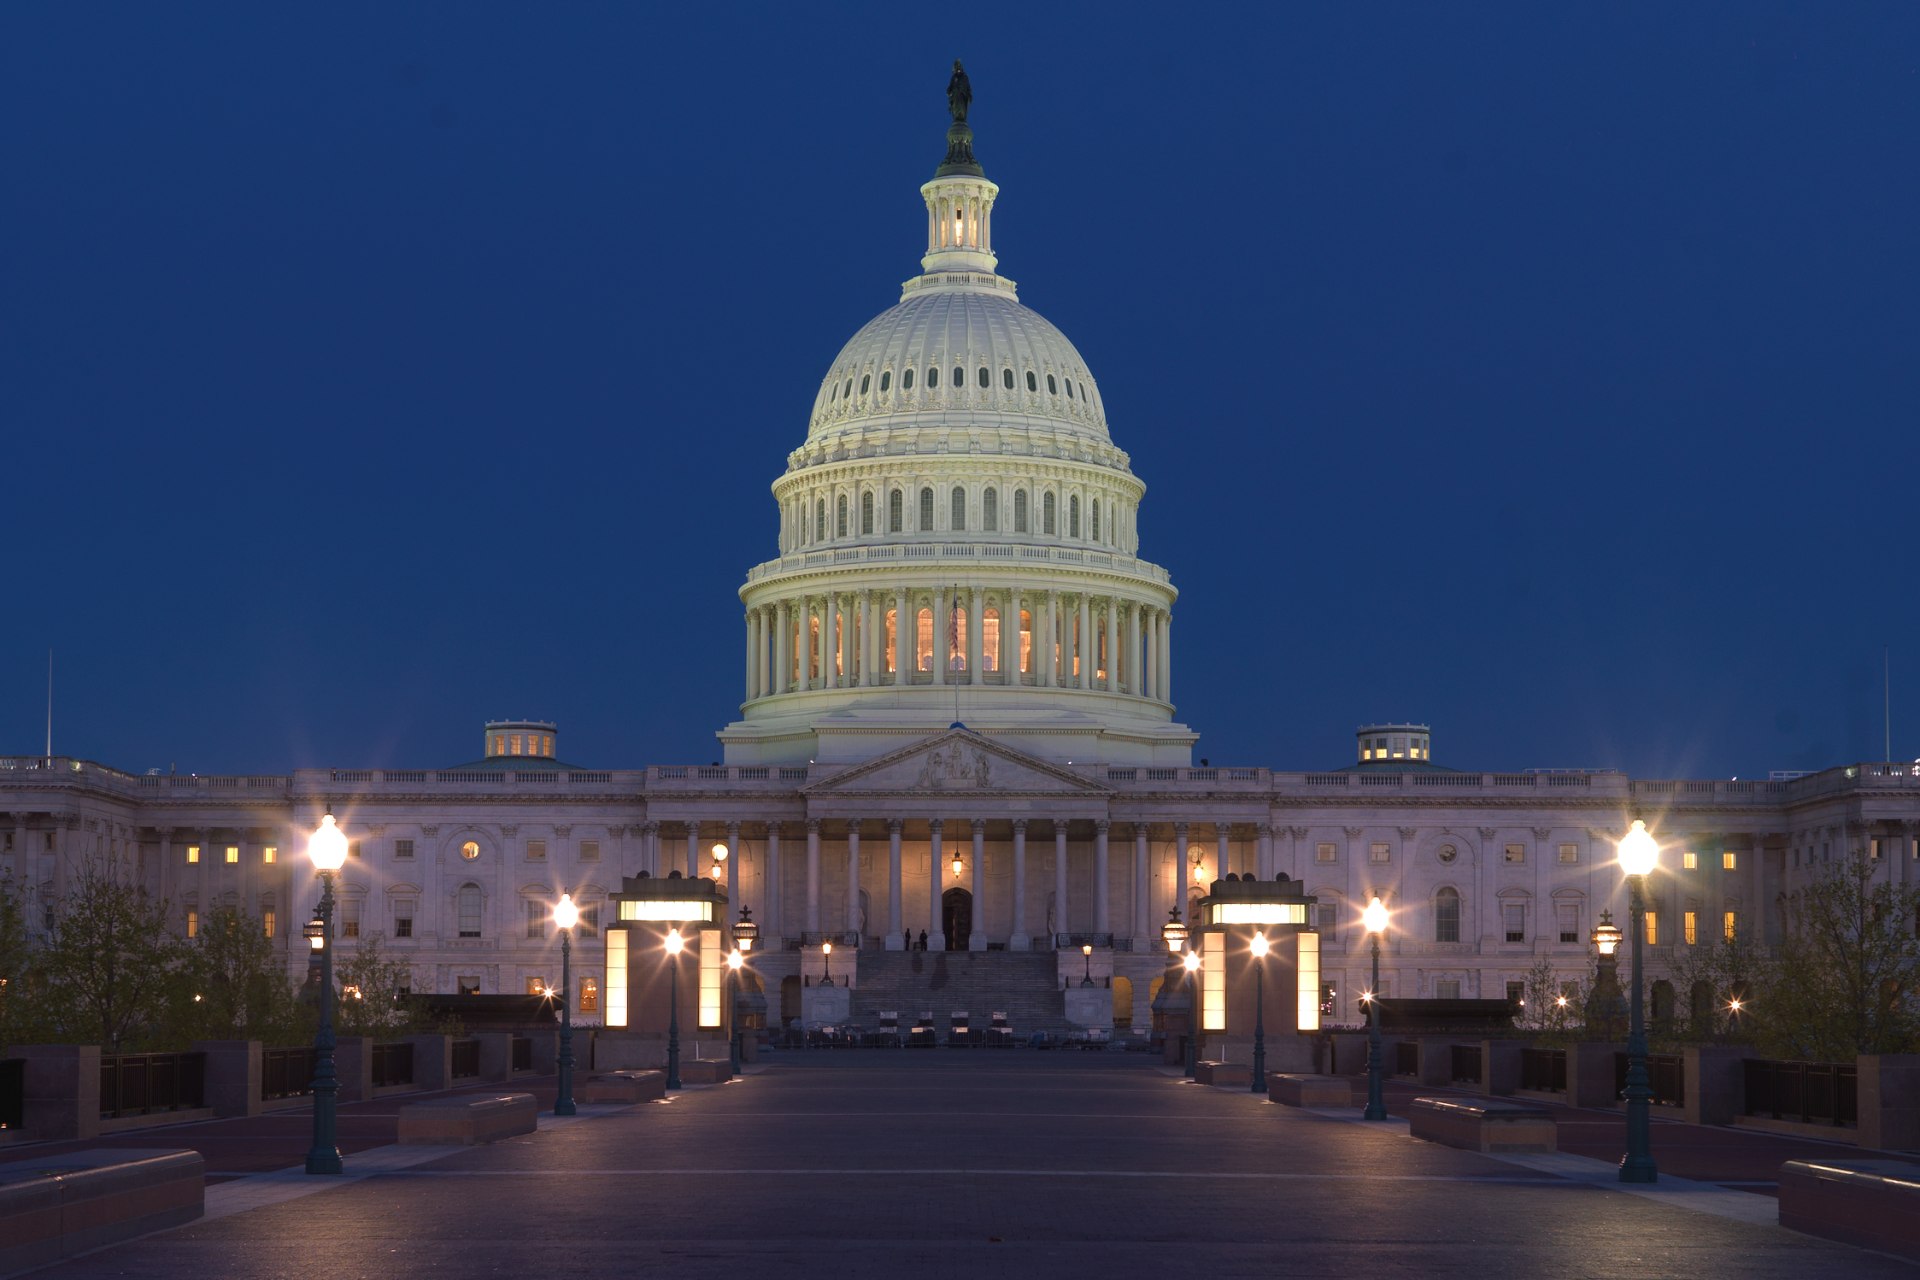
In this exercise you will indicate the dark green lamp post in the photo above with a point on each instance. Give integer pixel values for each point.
(1639, 853)
(327, 849)
(1259, 949)
(1375, 920)
(674, 945)
(565, 915)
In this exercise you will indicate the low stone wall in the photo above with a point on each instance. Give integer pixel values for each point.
(57, 1206)
(1873, 1203)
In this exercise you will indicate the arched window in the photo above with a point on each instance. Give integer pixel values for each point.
(923, 641)
(895, 502)
(840, 517)
(820, 520)
(1069, 382)
(1033, 383)
(990, 640)
(1026, 642)
(833, 393)
(984, 378)
(866, 381)
(1053, 388)
(848, 389)
(933, 377)
(866, 512)
(990, 511)
(1019, 510)
(1046, 515)
(1446, 915)
(957, 509)
(886, 658)
(906, 380)
(1073, 516)
(1096, 519)
(467, 905)
(1006, 378)
(886, 380)
(926, 511)
(956, 640)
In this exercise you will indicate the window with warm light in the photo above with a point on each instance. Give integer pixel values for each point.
(617, 978)
(923, 655)
(233, 855)
(1729, 925)
(536, 851)
(1325, 851)
(267, 921)
(536, 986)
(990, 640)
(469, 851)
(1516, 853)
(193, 853)
(1380, 851)
(713, 977)
(1689, 861)
(193, 923)
(1729, 860)
(1690, 927)
(1652, 936)
(589, 1001)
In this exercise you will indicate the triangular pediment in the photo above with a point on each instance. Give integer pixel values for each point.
(956, 762)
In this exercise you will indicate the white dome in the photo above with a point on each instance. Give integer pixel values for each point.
(901, 366)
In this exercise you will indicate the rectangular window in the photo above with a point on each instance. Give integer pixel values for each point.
(233, 855)
(193, 853)
(589, 995)
(536, 850)
(589, 851)
(267, 921)
(1516, 853)
(1729, 861)
(1213, 981)
(1569, 854)
(354, 850)
(193, 923)
(467, 986)
(1653, 928)
(617, 978)
(403, 920)
(1517, 994)
(1729, 924)
(1569, 916)
(270, 854)
(536, 986)
(1309, 991)
(1324, 852)
(1689, 861)
(1446, 988)
(1327, 918)
(589, 919)
(536, 919)
(713, 977)
(1514, 916)
(1690, 927)
(403, 848)
(1379, 851)
(350, 918)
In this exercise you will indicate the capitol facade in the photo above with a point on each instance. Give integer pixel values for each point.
(957, 731)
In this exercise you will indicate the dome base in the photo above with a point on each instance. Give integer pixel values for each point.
(839, 734)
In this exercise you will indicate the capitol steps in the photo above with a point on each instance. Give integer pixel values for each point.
(1020, 984)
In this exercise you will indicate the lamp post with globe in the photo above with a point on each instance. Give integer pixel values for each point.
(565, 916)
(1259, 948)
(1375, 920)
(1639, 854)
(327, 849)
(674, 944)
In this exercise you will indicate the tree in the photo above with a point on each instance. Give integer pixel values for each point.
(234, 985)
(1845, 972)
(1707, 979)
(374, 993)
(1553, 1005)
(16, 959)
(109, 961)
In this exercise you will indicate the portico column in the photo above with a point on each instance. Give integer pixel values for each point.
(903, 629)
(1223, 840)
(829, 641)
(1166, 657)
(1143, 935)
(936, 932)
(976, 642)
(1051, 659)
(753, 653)
(1265, 833)
(1180, 868)
(804, 679)
(650, 848)
(1083, 644)
(1060, 928)
(693, 849)
(736, 869)
(1019, 940)
(1101, 923)
(894, 940)
(941, 625)
(871, 639)
(977, 938)
(813, 875)
(855, 924)
(1133, 652)
(1112, 646)
(783, 650)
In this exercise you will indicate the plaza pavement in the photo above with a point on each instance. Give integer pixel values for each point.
(904, 1165)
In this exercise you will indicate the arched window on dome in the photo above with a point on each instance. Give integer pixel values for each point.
(886, 381)
(840, 517)
(990, 511)
(1033, 383)
(820, 520)
(866, 513)
(957, 510)
(895, 502)
(959, 377)
(923, 641)
(1024, 665)
(956, 640)
(1006, 377)
(1046, 515)
(990, 640)
(892, 623)
(906, 379)
(926, 511)
(813, 647)
(1073, 516)
(1020, 511)
(847, 391)
(1053, 388)
(984, 378)
(933, 377)
(866, 381)
(1095, 514)
(833, 393)
(1069, 382)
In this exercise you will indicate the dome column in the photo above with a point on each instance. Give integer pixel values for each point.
(1111, 609)
(869, 640)
(1133, 652)
(902, 652)
(976, 638)
(942, 628)
(1084, 643)
(804, 679)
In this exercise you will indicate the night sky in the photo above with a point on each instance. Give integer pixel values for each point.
(1544, 373)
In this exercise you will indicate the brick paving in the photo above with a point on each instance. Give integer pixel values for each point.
(877, 1163)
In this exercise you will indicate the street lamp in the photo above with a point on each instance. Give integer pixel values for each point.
(719, 861)
(1375, 920)
(1086, 959)
(565, 916)
(327, 849)
(1192, 963)
(1639, 853)
(745, 934)
(1259, 947)
(826, 963)
(674, 943)
(734, 961)
(1174, 932)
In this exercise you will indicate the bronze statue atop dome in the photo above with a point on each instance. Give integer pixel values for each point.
(959, 135)
(959, 93)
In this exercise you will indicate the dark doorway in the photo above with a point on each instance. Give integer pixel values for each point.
(956, 918)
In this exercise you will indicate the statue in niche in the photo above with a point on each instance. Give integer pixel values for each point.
(959, 93)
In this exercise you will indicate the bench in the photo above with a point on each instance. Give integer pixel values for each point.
(1293, 1090)
(56, 1206)
(1223, 1073)
(1482, 1125)
(623, 1086)
(1871, 1203)
(468, 1119)
(705, 1071)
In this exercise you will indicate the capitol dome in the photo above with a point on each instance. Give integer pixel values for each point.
(958, 536)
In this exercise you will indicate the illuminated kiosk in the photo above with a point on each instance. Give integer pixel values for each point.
(1225, 924)
(648, 986)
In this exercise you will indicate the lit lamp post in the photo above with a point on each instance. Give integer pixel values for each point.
(1259, 948)
(1375, 920)
(565, 916)
(1603, 1003)
(719, 861)
(1638, 855)
(1086, 960)
(734, 961)
(1175, 934)
(1192, 962)
(674, 944)
(327, 849)
(745, 934)
(826, 963)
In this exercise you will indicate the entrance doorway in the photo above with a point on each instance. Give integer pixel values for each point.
(956, 918)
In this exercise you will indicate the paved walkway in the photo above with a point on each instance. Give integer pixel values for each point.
(901, 1164)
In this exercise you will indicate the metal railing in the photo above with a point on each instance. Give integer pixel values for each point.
(1810, 1092)
(1464, 1064)
(392, 1064)
(138, 1084)
(286, 1073)
(521, 1057)
(13, 1093)
(1544, 1070)
(466, 1060)
(1666, 1076)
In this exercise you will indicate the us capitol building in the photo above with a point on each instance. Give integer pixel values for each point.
(958, 731)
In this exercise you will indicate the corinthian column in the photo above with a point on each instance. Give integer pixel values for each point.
(936, 932)
(977, 940)
(1020, 939)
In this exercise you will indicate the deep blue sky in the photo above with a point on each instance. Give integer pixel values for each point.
(1545, 373)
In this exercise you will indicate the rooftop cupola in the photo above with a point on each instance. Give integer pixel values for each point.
(960, 203)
